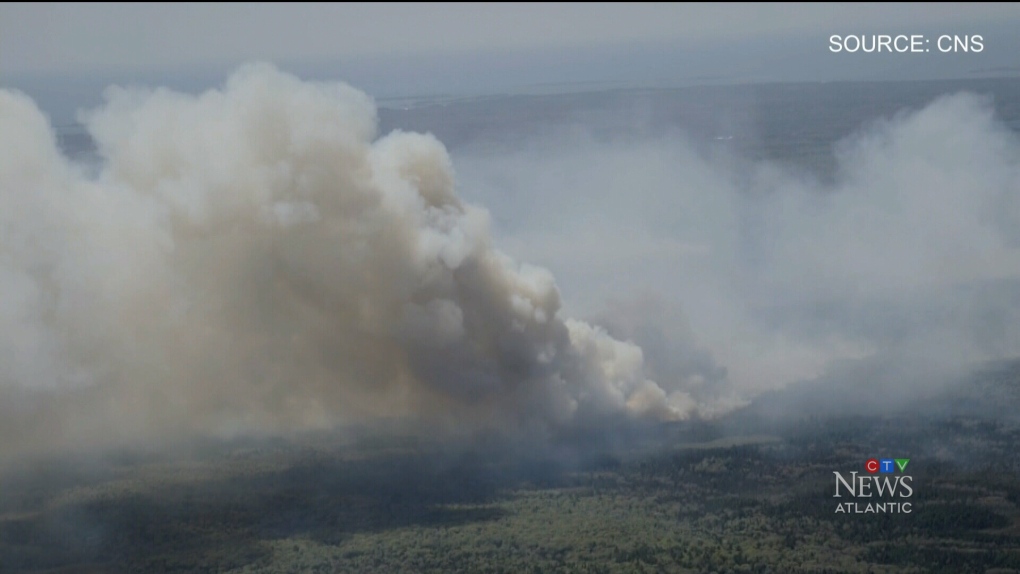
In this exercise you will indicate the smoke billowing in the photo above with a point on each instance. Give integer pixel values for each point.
(257, 259)
(899, 270)
(253, 259)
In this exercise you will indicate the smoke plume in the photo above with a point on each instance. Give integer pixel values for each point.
(739, 276)
(256, 259)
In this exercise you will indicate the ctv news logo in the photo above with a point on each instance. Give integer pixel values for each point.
(884, 488)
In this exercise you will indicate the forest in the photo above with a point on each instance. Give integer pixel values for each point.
(692, 498)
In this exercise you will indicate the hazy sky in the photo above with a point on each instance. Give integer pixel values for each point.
(63, 55)
(94, 37)
(101, 37)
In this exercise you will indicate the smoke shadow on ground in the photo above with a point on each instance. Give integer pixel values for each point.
(178, 516)
(188, 524)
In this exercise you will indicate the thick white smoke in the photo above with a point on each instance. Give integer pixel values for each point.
(253, 259)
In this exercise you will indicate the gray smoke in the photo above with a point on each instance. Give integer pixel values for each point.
(737, 276)
(253, 259)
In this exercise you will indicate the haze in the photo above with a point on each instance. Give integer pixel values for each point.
(254, 256)
(65, 54)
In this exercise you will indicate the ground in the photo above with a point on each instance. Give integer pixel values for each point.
(722, 503)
